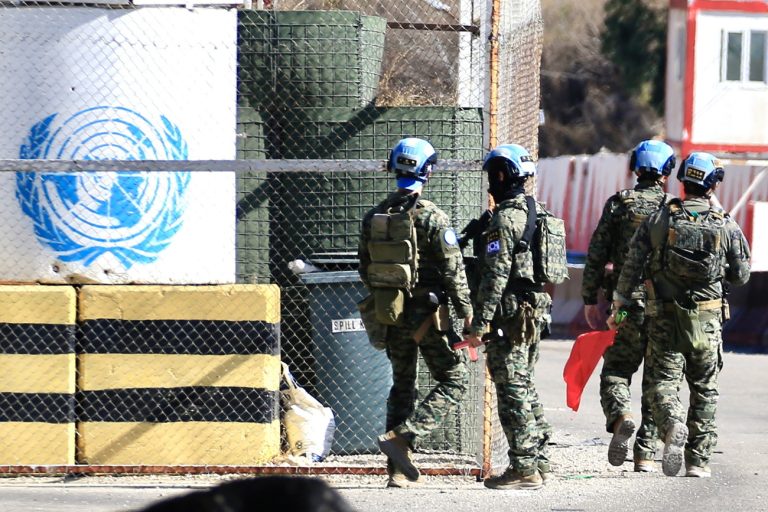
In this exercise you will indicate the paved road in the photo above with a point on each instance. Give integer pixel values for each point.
(585, 481)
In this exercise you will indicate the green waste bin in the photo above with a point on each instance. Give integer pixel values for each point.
(351, 377)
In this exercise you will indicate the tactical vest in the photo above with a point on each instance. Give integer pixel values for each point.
(636, 207)
(394, 258)
(692, 249)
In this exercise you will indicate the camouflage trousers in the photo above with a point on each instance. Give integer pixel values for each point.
(701, 368)
(620, 362)
(521, 413)
(446, 366)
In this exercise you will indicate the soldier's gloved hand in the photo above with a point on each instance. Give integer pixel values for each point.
(617, 315)
(611, 322)
(595, 316)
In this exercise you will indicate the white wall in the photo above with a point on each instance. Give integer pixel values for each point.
(118, 84)
(726, 112)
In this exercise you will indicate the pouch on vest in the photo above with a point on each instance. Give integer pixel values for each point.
(508, 305)
(688, 333)
(392, 271)
(380, 226)
(390, 275)
(400, 225)
(692, 264)
(377, 331)
(389, 305)
(693, 246)
(522, 328)
(396, 251)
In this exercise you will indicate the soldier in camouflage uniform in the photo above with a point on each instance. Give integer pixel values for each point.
(513, 306)
(651, 161)
(689, 249)
(439, 270)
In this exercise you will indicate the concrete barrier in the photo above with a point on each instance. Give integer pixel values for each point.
(37, 375)
(175, 375)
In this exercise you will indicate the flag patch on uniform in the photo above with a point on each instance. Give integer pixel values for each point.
(493, 243)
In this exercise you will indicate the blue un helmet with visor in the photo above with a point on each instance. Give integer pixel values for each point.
(412, 160)
(512, 159)
(652, 156)
(702, 169)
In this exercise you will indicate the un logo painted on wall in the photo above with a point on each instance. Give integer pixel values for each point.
(131, 216)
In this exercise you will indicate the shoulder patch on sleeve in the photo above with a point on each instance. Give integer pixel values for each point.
(493, 242)
(449, 237)
(449, 243)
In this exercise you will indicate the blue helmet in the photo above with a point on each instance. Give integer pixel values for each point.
(412, 161)
(652, 156)
(513, 159)
(702, 169)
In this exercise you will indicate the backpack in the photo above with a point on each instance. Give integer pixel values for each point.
(692, 249)
(636, 208)
(544, 235)
(394, 255)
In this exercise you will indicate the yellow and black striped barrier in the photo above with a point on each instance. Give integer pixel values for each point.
(173, 375)
(37, 374)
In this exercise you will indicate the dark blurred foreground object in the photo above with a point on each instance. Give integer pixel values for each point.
(263, 494)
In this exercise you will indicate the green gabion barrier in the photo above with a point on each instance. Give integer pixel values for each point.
(308, 58)
(253, 200)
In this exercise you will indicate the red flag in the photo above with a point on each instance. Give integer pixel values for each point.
(585, 354)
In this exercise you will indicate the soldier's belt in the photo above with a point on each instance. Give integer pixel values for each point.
(705, 305)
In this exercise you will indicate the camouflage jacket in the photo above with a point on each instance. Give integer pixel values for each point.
(499, 263)
(648, 243)
(610, 240)
(440, 262)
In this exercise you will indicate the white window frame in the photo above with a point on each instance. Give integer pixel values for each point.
(746, 41)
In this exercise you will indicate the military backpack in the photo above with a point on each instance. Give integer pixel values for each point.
(692, 249)
(636, 207)
(544, 235)
(394, 258)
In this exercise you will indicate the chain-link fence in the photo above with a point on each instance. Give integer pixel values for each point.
(292, 107)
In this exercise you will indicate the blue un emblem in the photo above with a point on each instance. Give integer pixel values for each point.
(131, 216)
